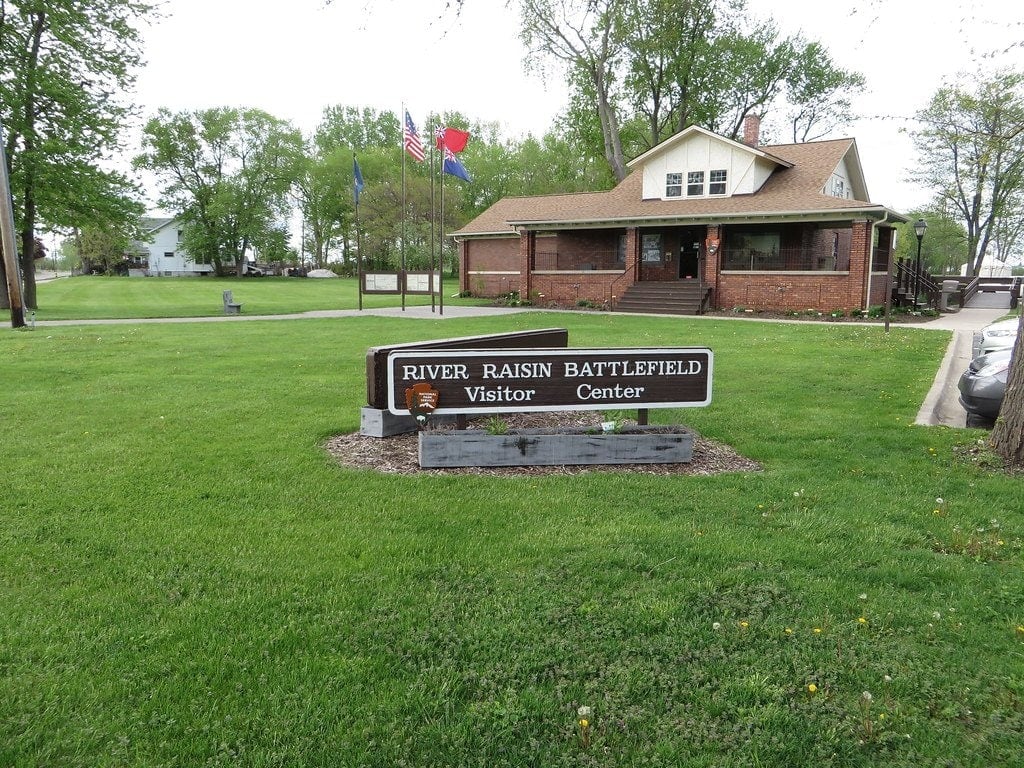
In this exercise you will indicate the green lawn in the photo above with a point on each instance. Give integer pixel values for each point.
(92, 297)
(188, 579)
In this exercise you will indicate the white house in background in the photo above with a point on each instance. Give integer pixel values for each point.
(162, 253)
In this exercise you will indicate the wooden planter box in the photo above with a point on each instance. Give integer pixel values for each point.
(477, 448)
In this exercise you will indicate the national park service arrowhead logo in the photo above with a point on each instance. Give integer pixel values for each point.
(421, 400)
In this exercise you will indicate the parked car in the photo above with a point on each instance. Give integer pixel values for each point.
(999, 335)
(983, 385)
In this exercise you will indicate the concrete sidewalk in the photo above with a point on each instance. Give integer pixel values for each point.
(418, 312)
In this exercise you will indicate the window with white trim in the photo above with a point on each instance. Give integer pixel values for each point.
(694, 183)
(673, 185)
(717, 182)
(650, 249)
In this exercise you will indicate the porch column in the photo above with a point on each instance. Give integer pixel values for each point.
(885, 234)
(713, 263)
(860, 263)
(632, 257)
(527, 250)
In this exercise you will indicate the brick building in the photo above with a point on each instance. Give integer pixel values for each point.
(701, 221)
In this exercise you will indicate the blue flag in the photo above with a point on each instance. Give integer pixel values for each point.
(453, 166)
(357, 178)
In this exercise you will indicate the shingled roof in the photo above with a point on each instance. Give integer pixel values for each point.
(794, 192)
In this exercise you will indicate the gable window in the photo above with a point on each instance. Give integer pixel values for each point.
(716, 183)
(694, 183)
(650, 249)
(673, 185)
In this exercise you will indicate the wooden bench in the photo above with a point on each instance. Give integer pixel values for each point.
(231, 307)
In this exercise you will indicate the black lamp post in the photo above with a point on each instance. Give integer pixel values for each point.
(919, 227)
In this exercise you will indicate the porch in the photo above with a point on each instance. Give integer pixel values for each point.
(688, 269)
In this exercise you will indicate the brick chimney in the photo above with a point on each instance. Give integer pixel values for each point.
(751, 130)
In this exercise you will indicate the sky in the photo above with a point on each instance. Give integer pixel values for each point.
(294, 59)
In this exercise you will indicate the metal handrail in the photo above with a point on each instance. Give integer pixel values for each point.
(969, 290)
(611, 286)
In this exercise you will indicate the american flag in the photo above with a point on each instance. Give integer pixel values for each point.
(413, 145)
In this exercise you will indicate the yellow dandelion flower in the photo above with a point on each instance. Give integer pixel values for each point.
(788, 631)
(584, 723)
(862, 620)
(812, 689)
(744, 624)
(817, 630)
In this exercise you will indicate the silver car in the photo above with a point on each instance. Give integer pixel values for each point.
(999, 335)
(983, 385)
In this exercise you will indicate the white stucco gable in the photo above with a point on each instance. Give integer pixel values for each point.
(697, 163)
(847, 180)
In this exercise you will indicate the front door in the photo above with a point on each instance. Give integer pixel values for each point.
(689, 254)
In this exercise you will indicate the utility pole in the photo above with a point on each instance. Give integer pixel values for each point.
(7, 242)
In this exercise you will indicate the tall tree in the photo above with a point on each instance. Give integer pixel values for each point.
(818, 94)
(942, 251)
(101, 249)
(586, 36)
(671, 58)
(227, 174)
(676, 63)
(971, 155)
(64, 66)
(323, 194)
(323, 190)
(1007, 437)
(353, 128)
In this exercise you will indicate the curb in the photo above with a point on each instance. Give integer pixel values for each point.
(941, 405)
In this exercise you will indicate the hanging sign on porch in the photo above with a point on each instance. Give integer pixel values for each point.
(518, 380)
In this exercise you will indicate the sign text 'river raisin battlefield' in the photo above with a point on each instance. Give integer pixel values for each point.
(517, 380)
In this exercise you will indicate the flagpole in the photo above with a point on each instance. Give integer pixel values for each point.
(359, 241)
(405, 214)
(433, 216)
(440, 245)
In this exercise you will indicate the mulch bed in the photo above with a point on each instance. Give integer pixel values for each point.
(400, 454)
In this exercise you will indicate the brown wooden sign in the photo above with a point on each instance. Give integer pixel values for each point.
(377, 357)
(518, 380)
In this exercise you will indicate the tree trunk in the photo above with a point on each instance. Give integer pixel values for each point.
(609, 126)
(28, 227)
(1008, 434)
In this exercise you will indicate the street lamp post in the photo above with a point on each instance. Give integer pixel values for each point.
(919, 227)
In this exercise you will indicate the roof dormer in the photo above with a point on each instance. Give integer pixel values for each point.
(699, 164)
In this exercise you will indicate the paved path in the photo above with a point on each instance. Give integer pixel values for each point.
(424, 313)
